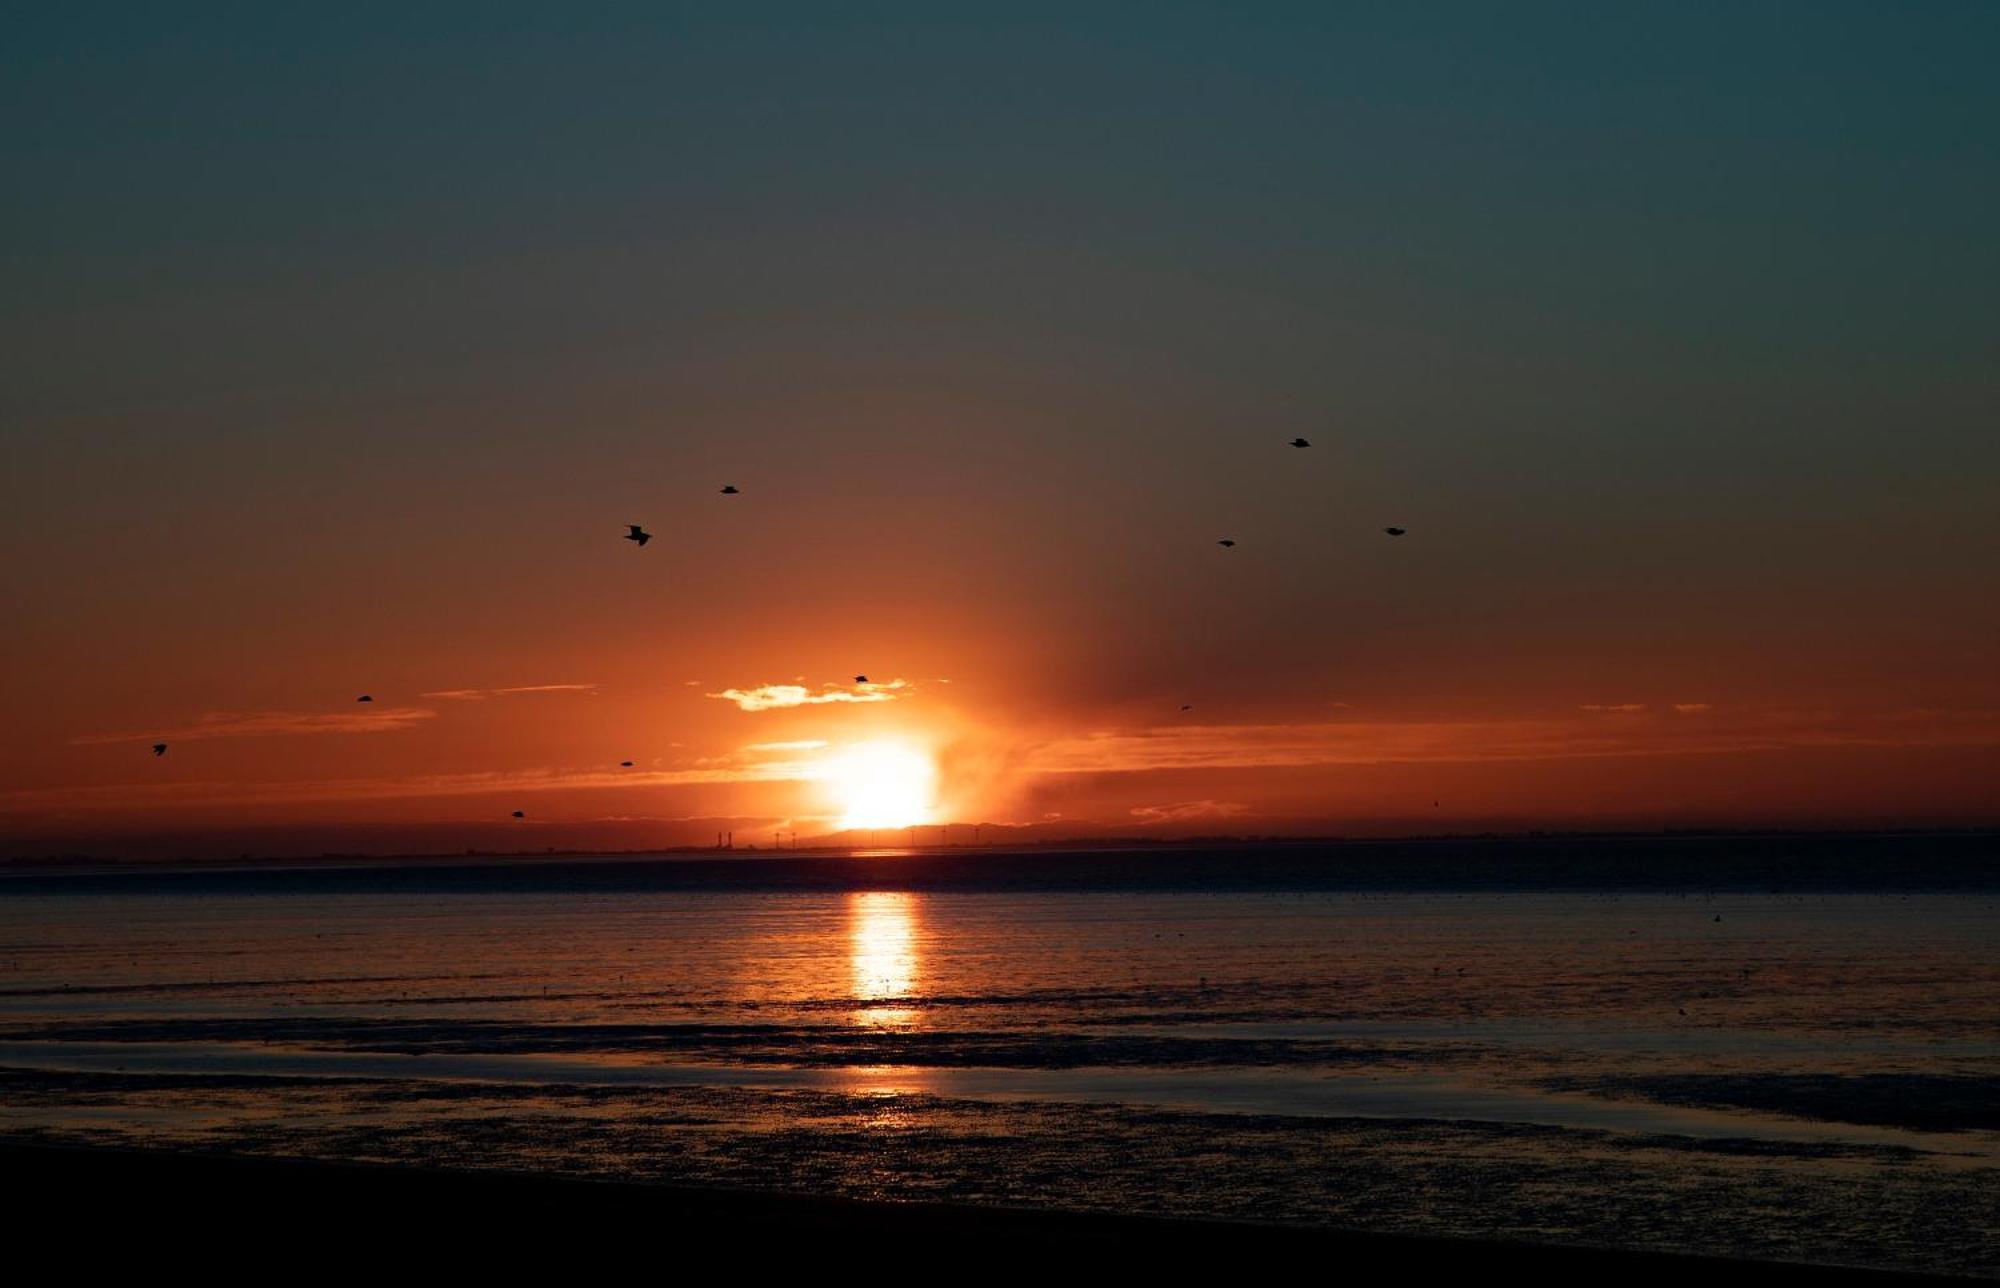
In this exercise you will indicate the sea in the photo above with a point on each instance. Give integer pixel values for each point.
(1775, 1048)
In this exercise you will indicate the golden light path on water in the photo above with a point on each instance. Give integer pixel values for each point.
(883, 955)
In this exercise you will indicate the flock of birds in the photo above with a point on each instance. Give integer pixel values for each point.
(1228, 543)
(638, 536)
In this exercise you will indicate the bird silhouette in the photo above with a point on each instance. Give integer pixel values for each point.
(366, 697)
(861, 679)
(1300, 442)
(638, 534)
(519, 814)
(624, 764)
(159, 749)
(1187, 706)
(1395, 532)
(729, 490)
(1225, 543)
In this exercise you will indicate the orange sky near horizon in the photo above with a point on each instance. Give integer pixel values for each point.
(1340, 681)
(443, 769)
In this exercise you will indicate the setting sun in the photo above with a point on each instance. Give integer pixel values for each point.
(882, 784)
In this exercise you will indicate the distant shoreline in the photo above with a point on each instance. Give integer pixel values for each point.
(1580, 861)
(846, 849)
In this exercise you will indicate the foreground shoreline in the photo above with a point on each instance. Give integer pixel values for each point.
(147, 1205)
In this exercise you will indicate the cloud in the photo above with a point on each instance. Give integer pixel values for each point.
(1634, 708)
(986, 771)
(775, 697)
(1372, 743)
(266, 724)
(772, 762)
(214, 793)
(479, 695)
(1188, 810)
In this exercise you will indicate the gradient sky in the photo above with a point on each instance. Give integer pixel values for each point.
(338, 350)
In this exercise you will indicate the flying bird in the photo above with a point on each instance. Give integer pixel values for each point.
(729, 490)
(861, 679)
(159, 749)
(624, 764)
(1187, 706)
(1225, 543)
(1395, 532)
(1300, 442)
(366, 697)
(638, 534)
(519, 814)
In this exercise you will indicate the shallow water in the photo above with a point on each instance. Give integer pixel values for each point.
(1809, 1076)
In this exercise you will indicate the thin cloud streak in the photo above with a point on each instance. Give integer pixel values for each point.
(214, 793)
(1273, 746)
(1112, 752)
(744, 766)
(267, 724)
(1186, 811)
(480, 695)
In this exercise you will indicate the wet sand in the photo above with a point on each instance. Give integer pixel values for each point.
(148, 1206)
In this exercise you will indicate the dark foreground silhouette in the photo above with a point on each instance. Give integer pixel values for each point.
(138, 1206)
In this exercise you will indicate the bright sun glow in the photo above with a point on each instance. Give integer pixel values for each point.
(882, 784)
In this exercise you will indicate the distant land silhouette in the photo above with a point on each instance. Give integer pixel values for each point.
(1778, 862)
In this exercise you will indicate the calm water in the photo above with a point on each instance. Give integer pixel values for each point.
(1800, 1076)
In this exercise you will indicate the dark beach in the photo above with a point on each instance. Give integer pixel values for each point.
(361, 1216)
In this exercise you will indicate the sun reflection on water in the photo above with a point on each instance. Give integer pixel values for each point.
(883, 960)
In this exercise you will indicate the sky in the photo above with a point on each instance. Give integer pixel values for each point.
(338, 349)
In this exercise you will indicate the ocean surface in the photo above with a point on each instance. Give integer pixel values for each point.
(1801, 1069)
